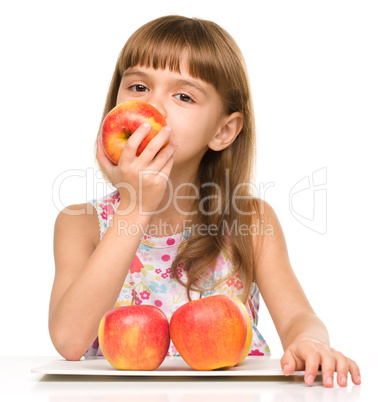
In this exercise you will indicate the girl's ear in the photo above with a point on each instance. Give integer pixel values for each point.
(228, 131)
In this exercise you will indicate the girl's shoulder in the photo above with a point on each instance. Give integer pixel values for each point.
(78, 219)
(93, 217)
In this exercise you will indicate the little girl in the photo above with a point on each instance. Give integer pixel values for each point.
(182, 223)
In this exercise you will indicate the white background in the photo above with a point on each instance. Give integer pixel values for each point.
(313, 69)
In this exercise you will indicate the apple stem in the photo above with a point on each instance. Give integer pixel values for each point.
(126, 134)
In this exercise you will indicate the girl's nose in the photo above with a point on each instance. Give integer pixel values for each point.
(159, 104)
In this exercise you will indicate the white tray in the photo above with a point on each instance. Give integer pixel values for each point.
(171, 366)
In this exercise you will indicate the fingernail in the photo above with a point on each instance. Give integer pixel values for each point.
(285, 368)
(358, 378)
(329, 381)
(146, 125)
(310, 378)
(175, 143)
(167, 128)
(343, 379)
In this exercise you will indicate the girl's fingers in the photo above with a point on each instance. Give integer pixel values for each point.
(130, 149)
(164, 156)
(354, 372)
(168, 166)
(288, 363)
(312, 361)
(328, 363)
(155, 145)
(310, 355)
(342, 368)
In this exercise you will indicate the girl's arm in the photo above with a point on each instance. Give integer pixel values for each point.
(303, 335)
(88, 280)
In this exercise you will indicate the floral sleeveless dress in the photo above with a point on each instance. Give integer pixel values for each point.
(149, 280)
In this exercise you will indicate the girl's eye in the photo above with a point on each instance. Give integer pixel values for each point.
(184, 98)
(139, 88)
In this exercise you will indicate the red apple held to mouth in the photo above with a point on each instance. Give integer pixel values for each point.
(209, 333)
(134, 337)
(121, 122)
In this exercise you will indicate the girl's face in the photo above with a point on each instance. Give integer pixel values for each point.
(190, 106)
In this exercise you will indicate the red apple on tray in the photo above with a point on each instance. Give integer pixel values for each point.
(210, 333)
(134, 337)
(248, 342)
(121, 122)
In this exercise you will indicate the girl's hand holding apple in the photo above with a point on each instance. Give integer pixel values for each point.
(152, 166)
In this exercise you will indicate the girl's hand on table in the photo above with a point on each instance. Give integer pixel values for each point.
(307, 354)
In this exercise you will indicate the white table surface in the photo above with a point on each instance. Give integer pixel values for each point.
(17, 383)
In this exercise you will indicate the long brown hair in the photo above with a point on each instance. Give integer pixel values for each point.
(214, 57)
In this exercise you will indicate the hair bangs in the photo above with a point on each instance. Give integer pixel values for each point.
(173, 43)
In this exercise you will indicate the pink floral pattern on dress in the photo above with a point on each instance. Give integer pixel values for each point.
(150, 281)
